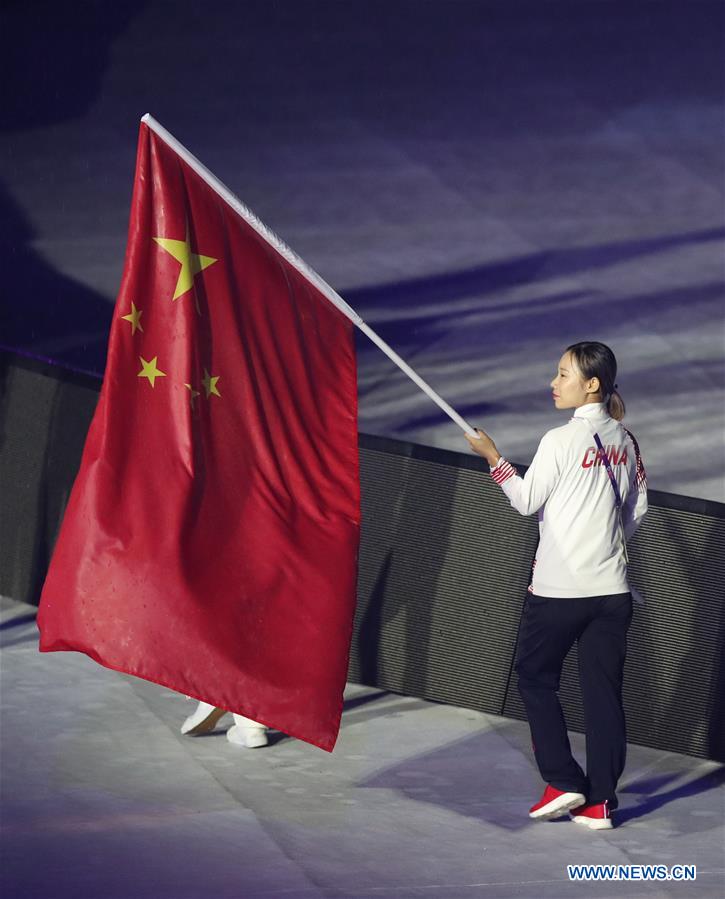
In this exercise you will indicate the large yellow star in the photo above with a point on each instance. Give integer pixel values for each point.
(210, 384)
(191, 263)
(134, 316)
(150, 370)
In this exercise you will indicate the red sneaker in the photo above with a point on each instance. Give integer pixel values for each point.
(595, 817)
(554, 803)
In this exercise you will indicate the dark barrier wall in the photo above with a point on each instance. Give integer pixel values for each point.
(44, 416)
(444, 566)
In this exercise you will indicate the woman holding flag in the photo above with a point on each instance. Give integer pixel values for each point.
(587, 484)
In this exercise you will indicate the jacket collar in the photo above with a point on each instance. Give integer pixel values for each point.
(591, 410)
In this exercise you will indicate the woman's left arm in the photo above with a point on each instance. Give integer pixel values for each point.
(527, 494)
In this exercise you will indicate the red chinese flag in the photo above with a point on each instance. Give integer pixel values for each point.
(210, 542)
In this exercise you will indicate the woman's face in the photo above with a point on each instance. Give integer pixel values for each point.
(569, 389)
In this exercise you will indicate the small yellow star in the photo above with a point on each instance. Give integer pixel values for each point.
(191, 263)
(194, 394)
(134, 316)
(210, 384)
(150, 370)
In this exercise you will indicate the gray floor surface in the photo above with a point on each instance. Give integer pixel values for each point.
(102, 797)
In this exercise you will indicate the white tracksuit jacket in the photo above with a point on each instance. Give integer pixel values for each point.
(580, 550)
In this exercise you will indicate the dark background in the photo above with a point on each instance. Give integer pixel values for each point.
(484, 182)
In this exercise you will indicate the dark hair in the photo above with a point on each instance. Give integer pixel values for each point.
(596, 360)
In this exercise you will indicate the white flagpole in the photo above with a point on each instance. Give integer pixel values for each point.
(301, 266)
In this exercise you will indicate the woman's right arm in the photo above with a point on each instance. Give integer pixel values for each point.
(635, 504)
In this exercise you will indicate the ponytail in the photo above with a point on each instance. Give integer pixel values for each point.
(615, 405)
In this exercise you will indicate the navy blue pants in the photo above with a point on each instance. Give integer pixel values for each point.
(548, 630)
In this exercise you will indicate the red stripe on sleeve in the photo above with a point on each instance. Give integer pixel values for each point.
(503, 471)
